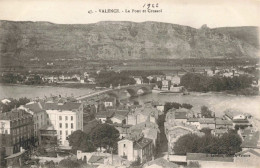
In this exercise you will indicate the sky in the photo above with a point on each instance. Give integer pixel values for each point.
(194, 13)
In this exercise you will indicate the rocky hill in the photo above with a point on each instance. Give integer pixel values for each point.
(124, 40)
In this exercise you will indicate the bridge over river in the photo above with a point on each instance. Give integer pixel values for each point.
(133, 90)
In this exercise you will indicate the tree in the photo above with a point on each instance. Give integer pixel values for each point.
(105, 136)
(187, 106)
(186, 144)
(170, 105)
(205, 112)
(49, 164)
(81, 141)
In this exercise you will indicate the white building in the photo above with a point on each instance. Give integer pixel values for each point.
(138, 80)
(65, 118)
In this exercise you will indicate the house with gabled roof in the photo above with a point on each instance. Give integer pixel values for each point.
(137, 147)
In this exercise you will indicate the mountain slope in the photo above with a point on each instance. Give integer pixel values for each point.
(124, 40)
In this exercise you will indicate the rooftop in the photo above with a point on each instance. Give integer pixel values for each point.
(141, 143)
(65, 106)
(96, 159)
(14, 114)
(35, 107)
(223, 122)
(162, 162)
(207, 121)
(208, 157)
(105, 114)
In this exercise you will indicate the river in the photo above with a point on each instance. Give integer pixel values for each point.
(17, 91)
(217, 102)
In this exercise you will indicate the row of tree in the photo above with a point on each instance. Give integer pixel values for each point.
(105, 78)
(202, 83)
(16, 78)
(170, 105)
(228, 144)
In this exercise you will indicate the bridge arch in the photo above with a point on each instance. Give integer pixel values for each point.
(145, 89)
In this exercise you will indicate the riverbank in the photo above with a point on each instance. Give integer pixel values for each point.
(66, 85)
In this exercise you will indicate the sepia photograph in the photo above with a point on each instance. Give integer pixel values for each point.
(129, 84)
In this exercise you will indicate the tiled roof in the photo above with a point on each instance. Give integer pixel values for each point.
(96, 159)
(120, 117)
(14, 114)
(193, 120)
(34, 107)
(208, 157)
(207, 121)
(162, 163)
(180, 115)
(141, 143)
(65, 106)
(240, 121)
(105, 114)
(223, 122)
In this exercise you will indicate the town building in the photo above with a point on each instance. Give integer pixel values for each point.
(220, 123)
(176, 80)
(140, 115)
(165, 85)
(20, 126)
(109, 102)
(194, 122)
(40, 117)
(103, 116)
(173, 133)
(134, 148)
(207, 123)
(65, 117)
(138, 80)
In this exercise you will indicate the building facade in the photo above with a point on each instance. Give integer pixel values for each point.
(17, 128)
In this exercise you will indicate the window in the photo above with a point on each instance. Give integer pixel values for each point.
(71, 125)
(124, 145)
(60, 117)
(66, 118)
(66, 133)
(66, 125)
(71, 118)
(60, 125)
(60, 133)
(37, 117)
(41, 116)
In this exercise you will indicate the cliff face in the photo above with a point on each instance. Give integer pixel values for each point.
(124, 40)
